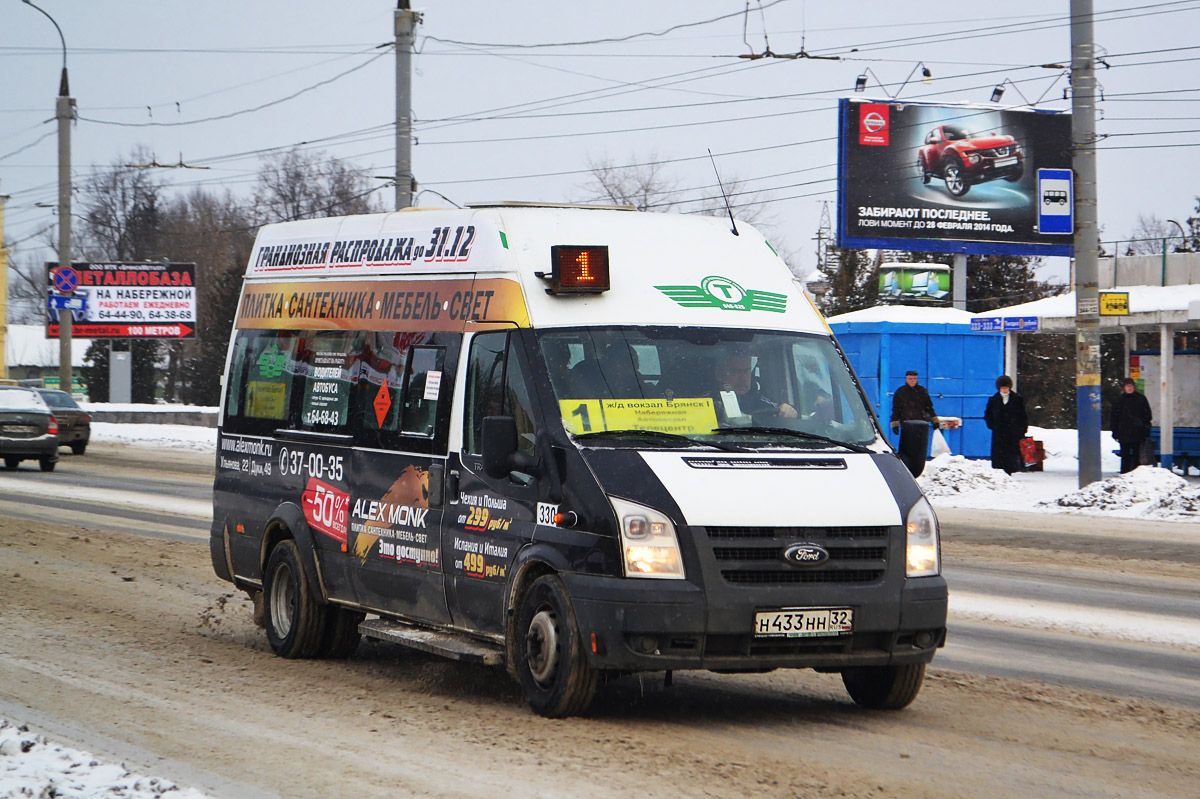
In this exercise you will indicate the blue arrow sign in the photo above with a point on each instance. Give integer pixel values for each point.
(75, 303)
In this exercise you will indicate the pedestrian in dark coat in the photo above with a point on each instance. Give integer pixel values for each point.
(1005, 417)
(1130, 422)
(911, 402)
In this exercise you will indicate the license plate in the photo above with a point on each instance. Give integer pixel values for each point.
(803, 622)
(1005, 161)
(21, 429)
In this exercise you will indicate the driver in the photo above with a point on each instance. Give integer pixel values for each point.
(735, 373)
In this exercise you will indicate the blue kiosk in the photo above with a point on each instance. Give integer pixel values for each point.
(958, 367)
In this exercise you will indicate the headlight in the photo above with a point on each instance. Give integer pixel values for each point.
(922, 549)
(973, 159)
(648, 543)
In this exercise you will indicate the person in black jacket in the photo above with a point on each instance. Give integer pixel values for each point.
(1130, 422)
(911, 402)
(1005, 417)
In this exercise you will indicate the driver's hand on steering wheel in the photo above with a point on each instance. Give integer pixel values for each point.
(787, 411)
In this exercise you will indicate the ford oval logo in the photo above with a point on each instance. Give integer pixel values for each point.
(805, 555)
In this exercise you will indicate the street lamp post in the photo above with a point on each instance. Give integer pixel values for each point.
(63, 112)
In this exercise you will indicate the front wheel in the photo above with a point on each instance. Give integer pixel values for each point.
(956, 181)
(295, 619)
(884, 687)
(551, 664)
(1016, 174)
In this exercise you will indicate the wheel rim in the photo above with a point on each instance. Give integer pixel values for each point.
(920, 169)
(282, 596)
(541, 647)
(953, 179)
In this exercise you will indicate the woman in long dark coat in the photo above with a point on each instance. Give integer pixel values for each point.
(1130, 423)
(1005, 417)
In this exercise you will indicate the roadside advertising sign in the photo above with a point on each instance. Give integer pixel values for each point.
(145, 299)
(939, 178)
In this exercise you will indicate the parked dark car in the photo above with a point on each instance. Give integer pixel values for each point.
(28, 430)
(74, 423)
(962, 158)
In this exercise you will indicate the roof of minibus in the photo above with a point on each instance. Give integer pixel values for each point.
(667, 269)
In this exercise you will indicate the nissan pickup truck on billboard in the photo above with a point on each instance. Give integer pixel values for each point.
(960, 178)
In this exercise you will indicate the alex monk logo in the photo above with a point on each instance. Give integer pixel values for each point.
(721, 292)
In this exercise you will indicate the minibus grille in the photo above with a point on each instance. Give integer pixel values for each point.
(754, 555)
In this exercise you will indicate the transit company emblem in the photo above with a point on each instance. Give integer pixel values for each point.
(721, 292)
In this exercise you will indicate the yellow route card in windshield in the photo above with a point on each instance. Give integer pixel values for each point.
(689, 416)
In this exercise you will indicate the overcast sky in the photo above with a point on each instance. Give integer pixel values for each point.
(497, 121)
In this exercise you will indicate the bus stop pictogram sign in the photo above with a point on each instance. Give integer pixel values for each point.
(66, 279)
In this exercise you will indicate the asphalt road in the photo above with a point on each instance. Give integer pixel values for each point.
(1091, 603)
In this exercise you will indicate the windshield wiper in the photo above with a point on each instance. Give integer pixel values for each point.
(660, 436)
(792, 433)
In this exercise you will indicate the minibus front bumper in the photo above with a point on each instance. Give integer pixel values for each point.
(656, 625)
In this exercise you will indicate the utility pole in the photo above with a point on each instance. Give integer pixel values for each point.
(406, 25)
(1087, 241)
(3, 292)
(63, 112)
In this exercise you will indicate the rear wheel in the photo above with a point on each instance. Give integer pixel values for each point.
(11, 463)
(884, 687)
(922, 172)
(551, 664)
(295, 619)
(77, 447)
(47, 464)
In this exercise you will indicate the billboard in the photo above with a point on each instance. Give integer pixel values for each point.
(914, 284)
(144, 299)
(940, 178)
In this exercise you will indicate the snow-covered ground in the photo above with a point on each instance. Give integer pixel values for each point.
(31, 766)
(1149, 492)
(34, 767)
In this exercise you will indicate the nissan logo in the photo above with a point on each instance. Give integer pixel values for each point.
(874, 122)
(805, 555)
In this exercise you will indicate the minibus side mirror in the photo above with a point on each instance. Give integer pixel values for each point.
(499, 445)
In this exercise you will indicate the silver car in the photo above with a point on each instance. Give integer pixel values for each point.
(28, 429)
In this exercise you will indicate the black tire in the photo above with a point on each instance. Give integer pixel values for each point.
(78, 447)
(11, 463)
(551, 664)
(294, 616)
(1016, 174)
(884, 687)
(47, 464)
(341, 635)
(956, 181)
(922, 172)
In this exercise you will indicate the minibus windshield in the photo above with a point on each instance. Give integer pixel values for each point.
(716, 386)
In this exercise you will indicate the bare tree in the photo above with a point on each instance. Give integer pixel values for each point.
(1148, 235)
(643, 186)
(298, 185)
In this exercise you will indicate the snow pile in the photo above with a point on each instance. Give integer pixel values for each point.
(163, 436)
(949, 475)
(1127, 492)
(31, 766)
(1182, 503)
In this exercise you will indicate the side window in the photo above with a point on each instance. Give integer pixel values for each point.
(260, 385)
(403, 392)
(496, 386)
(329, 363)
(422, 390)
